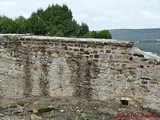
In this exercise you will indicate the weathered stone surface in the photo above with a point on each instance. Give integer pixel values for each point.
(137, 52)
(85, 69)
(35, 117)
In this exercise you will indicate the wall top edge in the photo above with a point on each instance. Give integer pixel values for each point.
(86, 40)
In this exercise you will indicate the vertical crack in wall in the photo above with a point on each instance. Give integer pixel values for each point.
(81, 77)
(84, 79)
(27, 75)
(44, 82)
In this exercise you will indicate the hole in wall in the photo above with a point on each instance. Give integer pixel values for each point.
(96, 56)
(124, 102)
(141, 66)
(144, 82)
(131, 58)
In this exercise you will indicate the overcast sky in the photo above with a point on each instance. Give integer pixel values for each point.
(98, 14)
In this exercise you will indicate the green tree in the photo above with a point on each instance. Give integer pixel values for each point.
(20, 24)
(104, 34)
(83, 30)
(36, 25)
(92, 34)
(62, 19)
(56, 20)
(7, 25)
(59, 33)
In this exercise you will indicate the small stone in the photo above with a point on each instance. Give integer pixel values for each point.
(35, 117)
(126, 98)
(79, 111)
(35, 111)
(62, 111)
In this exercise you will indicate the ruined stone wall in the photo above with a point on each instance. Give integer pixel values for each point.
(84, 68)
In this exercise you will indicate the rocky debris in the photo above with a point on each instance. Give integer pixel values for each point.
(69, 108)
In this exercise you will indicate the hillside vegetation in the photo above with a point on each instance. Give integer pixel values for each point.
(56, 20)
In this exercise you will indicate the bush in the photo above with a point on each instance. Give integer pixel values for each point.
(104, 34)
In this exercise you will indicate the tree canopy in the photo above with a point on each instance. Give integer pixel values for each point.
(56, 20)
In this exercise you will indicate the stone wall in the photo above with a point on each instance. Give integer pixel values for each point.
(84, 68)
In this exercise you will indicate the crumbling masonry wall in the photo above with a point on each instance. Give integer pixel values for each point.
(85, 68)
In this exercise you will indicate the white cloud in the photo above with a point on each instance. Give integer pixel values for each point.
(150, 15)
(5, 6)
(8, 3)
(98, 14)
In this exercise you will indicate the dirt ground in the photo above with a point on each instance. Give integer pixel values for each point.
(70, 108)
